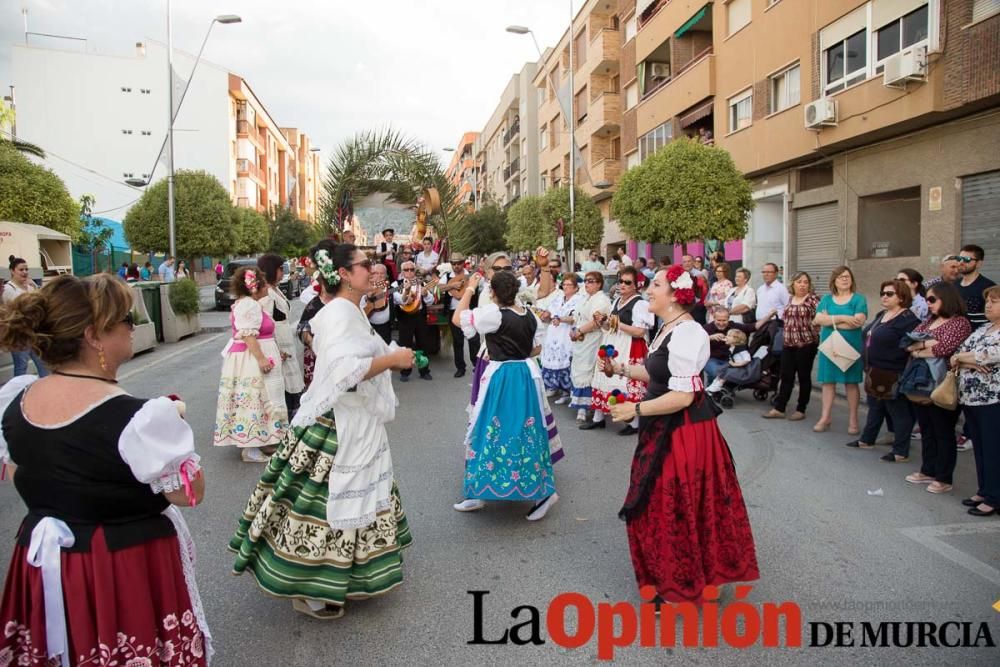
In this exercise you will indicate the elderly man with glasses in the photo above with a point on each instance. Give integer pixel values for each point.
(411, 301)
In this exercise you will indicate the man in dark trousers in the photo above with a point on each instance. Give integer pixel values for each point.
(454, 282)
(411, 315)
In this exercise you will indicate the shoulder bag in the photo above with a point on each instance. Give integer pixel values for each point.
(945, 395)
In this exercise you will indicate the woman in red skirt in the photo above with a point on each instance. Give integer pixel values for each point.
(686, 520)
(103, 568)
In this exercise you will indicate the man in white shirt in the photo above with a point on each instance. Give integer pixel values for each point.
(623, 258)
(453, 284)
(377, 303)
(592, 263)
(166, 271)
(772, 296)
(414, 332)
(427, 260)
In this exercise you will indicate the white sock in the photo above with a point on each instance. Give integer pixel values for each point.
(634, 423)
(581, 414)
(716, 385)
(598, 416)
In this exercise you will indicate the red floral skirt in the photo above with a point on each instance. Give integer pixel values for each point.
(694, 530)
(128, 607)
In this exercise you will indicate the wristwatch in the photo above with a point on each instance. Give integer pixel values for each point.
(638, 411)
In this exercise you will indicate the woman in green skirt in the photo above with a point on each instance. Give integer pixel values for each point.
(325, 523)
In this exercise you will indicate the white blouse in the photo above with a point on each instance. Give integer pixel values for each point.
(688, 350)
(248, 315)
(487, 319)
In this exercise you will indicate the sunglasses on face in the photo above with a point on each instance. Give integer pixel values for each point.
(626, 282)
(887, 293)
(932, 299)
(129, 321)
(408, 270)
(503, 268)
(591, 281)
(965, 260)
(366, 263)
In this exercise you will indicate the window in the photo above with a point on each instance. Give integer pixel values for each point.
(655, 139)
(632, 160)
(984, 8)
(543, 183)
(741, 111)
(541, 96)
(902, 33)
(889, 224)
(784, 89)
(543, 138)
(846, 62)
(816, 176)
(737, 15)
(147, 133)
(630, 28)
(631, 95)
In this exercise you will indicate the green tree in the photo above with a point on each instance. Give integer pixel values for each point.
(35, 195)
(253, 232)
(588, 223)
(480, 233)
(290, 236)
(205, 217)
(95, 235)
(527, 227)
(685, 192)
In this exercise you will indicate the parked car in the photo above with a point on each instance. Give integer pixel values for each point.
(289, 285)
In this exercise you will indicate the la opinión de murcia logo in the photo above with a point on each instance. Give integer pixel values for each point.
(739, 624)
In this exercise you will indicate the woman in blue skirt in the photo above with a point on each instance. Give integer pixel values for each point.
(509, 449)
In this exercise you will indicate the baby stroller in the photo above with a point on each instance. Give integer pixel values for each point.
(763, 372)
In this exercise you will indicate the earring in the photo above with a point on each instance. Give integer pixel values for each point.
(101, 359)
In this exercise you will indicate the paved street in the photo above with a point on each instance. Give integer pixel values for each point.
(822, 540)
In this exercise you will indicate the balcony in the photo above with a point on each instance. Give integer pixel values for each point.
(245, 130)
(243, 202)
(605, 114)
(605, 50)
(606, 170)
(513, 170)
(245, 167)
(511, 133)
(688, 87)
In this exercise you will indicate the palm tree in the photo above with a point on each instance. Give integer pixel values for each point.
(23, 146)
(384, 161)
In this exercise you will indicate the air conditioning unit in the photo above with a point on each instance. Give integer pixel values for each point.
(909, 65)
(660, 70)
(821, 113)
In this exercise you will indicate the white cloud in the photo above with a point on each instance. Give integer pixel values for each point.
(433, 69)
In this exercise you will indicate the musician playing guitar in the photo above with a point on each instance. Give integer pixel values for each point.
(455, 285)
(377, 303)
(411, 298)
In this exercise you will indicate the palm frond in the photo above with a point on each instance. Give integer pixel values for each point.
(24, 147)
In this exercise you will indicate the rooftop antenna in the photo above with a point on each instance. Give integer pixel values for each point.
(24, 14)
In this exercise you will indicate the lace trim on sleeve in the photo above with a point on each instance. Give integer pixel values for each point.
(172, 481)
(248, 316)
(689, 350)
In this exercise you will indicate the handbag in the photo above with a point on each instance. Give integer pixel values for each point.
(882, 384)
(836, 348)
(945, 395)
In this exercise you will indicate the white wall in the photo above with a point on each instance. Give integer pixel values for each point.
(71, 104)
(765, 240)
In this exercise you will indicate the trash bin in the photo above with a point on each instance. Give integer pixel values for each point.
(151, 295)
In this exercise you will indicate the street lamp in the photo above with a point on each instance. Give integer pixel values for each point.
(225, 19)
(524, 30)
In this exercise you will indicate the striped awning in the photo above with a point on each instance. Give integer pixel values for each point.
(696, 114)
(699, 15)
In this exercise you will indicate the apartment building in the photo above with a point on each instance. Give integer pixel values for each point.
(596, 104)
(462, 171)
(507, 148)
(870, 129)
(102, 119)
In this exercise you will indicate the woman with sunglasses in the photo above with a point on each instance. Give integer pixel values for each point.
(884, 363)
(625, 329)
(250, 413)
(100, 472)
(586, 335)
(325, 523)
(684, 512)
(947, 329)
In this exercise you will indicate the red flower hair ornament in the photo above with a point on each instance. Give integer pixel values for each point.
(681, 284)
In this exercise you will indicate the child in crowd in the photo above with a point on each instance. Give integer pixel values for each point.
(739, 356)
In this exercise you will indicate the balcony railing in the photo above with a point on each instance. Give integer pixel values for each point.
(605, 113)
(243, 202)
(245, 167)
(512, 132)
(606, 170)
(246, 130)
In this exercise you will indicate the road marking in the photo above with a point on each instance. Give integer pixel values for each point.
(997, 606)
(172, 355)
(931, 537)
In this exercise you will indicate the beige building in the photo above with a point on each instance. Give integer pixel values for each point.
(506, 151)
(597, 123)
(870, 130)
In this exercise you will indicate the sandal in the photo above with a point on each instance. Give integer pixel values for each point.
(821, 426)
(938, 487)
(973, 501)
(327, 613)
(919, 478)
(894, 458)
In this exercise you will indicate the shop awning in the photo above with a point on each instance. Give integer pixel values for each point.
(699, 15)
(696, 114)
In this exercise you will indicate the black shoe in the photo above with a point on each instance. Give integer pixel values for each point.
(404, 378)
(460, 373)
(969, 502)
(975, 511)
(592, 425)
(426, 376)
(857, 444)
(628, 430)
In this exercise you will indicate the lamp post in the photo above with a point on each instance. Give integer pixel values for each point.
(524, 30)
(172, 116)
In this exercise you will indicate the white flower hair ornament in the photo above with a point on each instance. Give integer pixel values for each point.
(683, 281)
(326, 268)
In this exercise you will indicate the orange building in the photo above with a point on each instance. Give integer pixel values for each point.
(463, 170)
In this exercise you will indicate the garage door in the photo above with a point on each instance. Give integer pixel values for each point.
(981, 218)
(817, 244)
